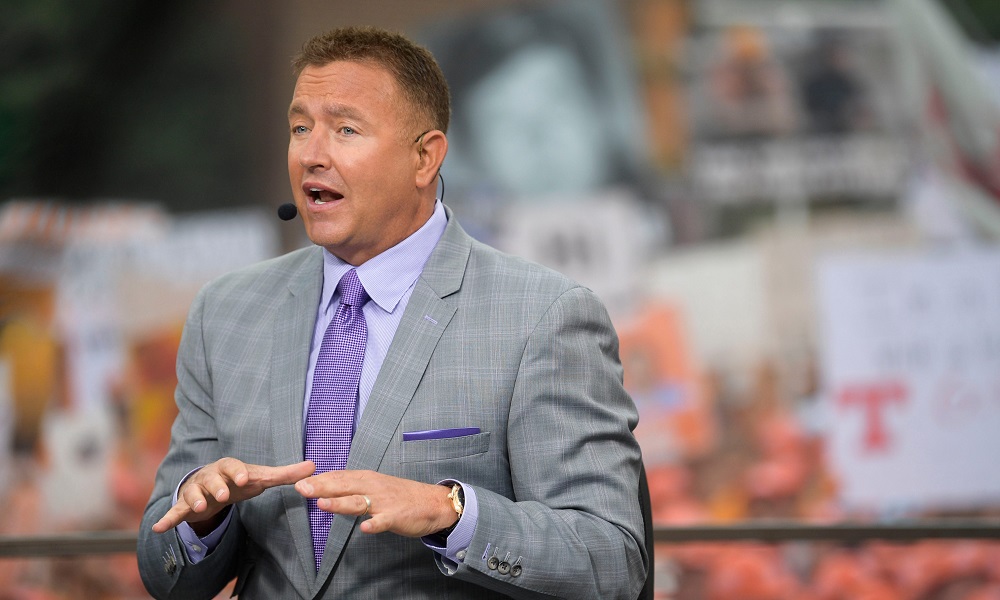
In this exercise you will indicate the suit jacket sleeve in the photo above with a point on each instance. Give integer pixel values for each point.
(574, 522)
(162, 560)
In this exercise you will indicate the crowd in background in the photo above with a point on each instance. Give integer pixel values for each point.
(695, 172)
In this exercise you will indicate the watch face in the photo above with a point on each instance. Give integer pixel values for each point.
(457, 496)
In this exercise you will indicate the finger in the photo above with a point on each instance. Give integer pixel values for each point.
(336, 484)
(194, 497)
(173, 518)
(216, 484)
(285, 475)
(234, 470)
(353, 505)
(376, 524)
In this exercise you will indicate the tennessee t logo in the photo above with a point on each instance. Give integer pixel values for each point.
(872, 398)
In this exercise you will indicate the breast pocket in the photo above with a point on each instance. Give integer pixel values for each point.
(442, 449)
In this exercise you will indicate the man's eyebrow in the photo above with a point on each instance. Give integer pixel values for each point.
(330, 110)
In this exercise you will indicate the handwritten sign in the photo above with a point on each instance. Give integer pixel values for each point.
(910, 351)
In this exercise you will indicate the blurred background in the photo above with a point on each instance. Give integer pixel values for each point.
(791, 209)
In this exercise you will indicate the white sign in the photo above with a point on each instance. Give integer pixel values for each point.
(910, 350)
(599, 242)
(859, 166)
(80, 447)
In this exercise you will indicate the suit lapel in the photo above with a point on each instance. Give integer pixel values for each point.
(426, 317)
(294, 321)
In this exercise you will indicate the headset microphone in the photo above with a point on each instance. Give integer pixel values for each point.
(287, 211)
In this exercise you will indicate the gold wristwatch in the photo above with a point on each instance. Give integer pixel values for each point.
(457, 496)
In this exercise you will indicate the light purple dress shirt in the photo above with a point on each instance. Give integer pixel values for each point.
(389, 279)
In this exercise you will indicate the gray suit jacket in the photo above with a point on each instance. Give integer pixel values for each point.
(487, 340)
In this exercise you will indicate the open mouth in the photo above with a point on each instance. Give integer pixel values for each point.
(321, 196)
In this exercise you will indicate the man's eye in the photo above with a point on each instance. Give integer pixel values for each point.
(347, 130)
(299, 129)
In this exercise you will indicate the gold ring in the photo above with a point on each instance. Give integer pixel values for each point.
(368, 505)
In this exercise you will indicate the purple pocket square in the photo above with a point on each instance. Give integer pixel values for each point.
(438, 434)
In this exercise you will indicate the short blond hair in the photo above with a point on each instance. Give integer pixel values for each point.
(416, 72)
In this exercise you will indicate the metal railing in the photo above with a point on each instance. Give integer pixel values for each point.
(68, 544)
(845, 533)
(121, 542)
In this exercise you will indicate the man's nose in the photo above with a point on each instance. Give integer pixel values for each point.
(315, 151)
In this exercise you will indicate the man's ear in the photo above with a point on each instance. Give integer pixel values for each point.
(431, 150)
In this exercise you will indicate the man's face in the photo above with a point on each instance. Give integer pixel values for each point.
(352, 160)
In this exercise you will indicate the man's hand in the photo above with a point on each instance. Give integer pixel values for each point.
(226, 481)
(404, 507)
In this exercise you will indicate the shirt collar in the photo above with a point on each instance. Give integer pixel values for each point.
(386, 277)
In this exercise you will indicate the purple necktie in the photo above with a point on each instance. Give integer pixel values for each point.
(334, 397)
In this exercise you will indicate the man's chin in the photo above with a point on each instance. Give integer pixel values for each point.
(324, 234)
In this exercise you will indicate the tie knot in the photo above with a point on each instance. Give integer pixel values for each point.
(352, 293)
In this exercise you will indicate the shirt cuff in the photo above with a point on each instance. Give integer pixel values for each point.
(197, 548)
(459, 539)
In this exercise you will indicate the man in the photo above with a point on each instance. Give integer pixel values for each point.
(489, 436)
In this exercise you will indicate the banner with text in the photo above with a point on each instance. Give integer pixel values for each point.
(910, 350)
